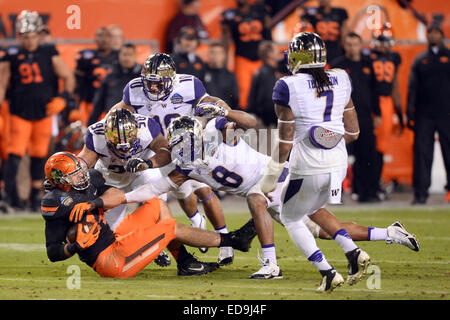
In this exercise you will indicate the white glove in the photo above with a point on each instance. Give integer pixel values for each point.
(210, 110)
(269, 181)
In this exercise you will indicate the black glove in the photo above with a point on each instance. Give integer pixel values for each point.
(137, 164)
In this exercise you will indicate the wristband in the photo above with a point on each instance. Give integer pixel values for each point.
(97, 202)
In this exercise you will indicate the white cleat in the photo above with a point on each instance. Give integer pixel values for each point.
(331, 279)
(226, 256)
(201, 225)
(269, 270)
(358, 261)
(397, 234)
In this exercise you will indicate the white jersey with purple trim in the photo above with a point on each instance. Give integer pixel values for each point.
(235, 169)
(187, 89)
(298, 92)
(110, 164)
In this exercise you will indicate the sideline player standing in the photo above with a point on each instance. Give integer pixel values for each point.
(246, 26)
(385, 63)
(93, 65)
(315, 112)
(32, 69)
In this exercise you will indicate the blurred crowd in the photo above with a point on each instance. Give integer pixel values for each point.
(100, 75)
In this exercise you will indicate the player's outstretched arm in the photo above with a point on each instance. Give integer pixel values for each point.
(162, 156)
(112, 198)
(89, 156)
(210, 106)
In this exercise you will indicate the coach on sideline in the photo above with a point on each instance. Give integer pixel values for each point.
(428, 111)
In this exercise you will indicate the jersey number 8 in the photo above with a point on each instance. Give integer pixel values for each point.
(226, 178)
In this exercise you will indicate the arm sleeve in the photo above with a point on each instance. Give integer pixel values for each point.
(55, 235)
(281, 93)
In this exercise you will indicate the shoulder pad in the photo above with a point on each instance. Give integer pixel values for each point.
(50, 203)
(97, 178)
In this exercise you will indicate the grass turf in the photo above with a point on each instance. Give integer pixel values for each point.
(26, 273)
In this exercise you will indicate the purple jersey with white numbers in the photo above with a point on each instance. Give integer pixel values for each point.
(187, 91)
(112, 165)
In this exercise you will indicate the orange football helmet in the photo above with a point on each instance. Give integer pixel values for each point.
(64, 171)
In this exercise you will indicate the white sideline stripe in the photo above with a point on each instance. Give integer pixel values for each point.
(160, 296)
(437, 238)
(19, 228)
(22, 246)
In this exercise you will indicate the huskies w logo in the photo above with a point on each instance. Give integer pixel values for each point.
(335, 192)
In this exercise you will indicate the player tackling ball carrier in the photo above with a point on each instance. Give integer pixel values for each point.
(79, 194)
(164, 95)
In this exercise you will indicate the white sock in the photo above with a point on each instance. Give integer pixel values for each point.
(269, 253)
(343, 239)
(222, 230)
(196, 219)
(318, 260)
(376, 234)
(304, 240)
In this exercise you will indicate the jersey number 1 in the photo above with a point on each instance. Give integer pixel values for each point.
(329, 97)
(30, 73)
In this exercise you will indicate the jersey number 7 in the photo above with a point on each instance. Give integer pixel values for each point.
(329, 98)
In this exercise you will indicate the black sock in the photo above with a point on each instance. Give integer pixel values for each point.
(183, 255)
(225, 240)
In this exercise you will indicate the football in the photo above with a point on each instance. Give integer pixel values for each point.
(71, 235)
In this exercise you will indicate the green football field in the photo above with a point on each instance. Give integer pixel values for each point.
(397, 272)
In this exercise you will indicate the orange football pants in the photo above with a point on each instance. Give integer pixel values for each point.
(244, 70)
(384, 131)
(29, 135)
(140, 238)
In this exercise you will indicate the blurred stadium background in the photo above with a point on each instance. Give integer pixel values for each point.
(145, 23)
